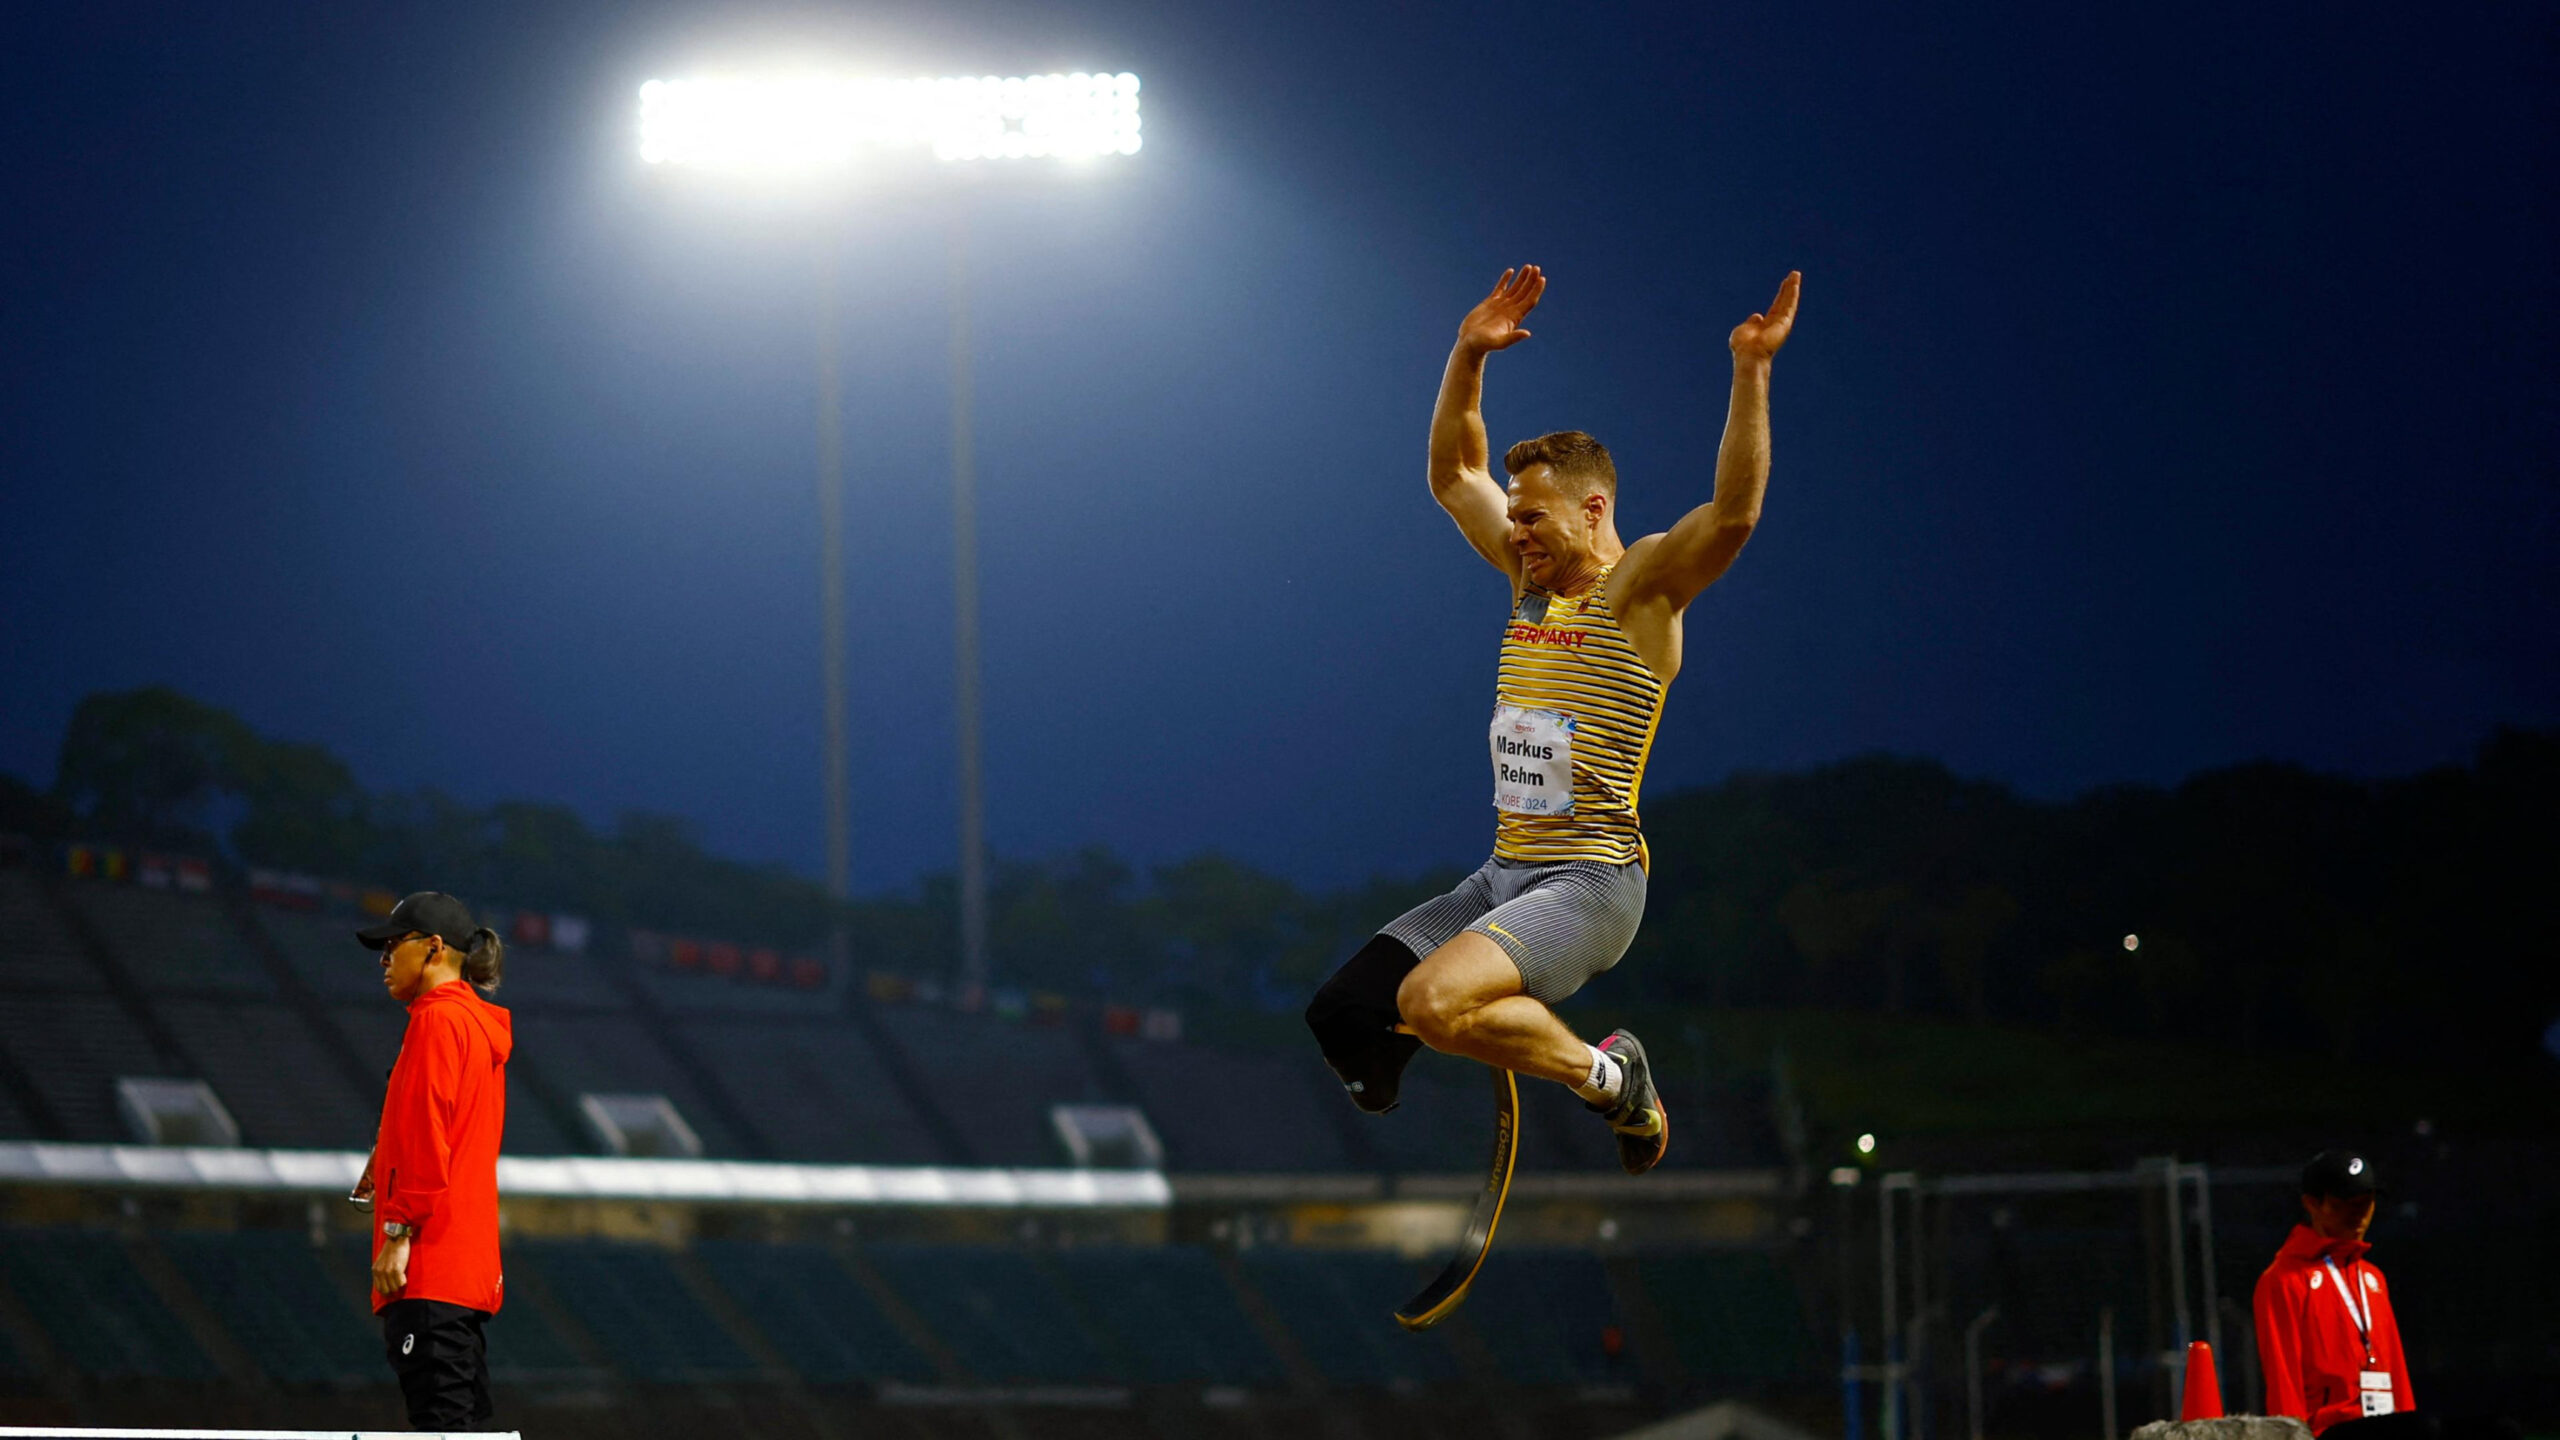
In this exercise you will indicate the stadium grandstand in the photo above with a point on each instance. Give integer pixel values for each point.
(748, 1195)
(754, 1193)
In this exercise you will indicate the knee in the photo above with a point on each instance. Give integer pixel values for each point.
(1437, 1011)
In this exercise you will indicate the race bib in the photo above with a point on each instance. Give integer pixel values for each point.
(2374, 1386)
(1532, 761)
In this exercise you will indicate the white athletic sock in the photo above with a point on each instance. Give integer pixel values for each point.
(1606, 1079)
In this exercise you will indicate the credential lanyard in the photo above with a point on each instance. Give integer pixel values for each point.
(2362, 1315)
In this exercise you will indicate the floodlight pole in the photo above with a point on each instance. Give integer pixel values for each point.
(786, 124)
(831, 640)
(964, 615)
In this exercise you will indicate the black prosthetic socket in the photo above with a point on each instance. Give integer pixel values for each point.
(1354, 1017)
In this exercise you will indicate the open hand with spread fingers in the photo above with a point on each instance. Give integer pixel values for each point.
(1495, 322)
(1759, 337)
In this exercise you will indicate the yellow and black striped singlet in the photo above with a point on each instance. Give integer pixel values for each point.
(1568, 653)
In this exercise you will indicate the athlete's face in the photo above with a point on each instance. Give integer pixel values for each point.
(404, 965)
(1554, 527)
(2340, 1217)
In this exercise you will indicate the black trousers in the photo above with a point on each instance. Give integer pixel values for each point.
(442, 1359)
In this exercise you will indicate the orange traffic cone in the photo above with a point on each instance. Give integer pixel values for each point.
(2202, 1399)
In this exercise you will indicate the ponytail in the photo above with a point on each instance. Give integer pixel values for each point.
(486, 957)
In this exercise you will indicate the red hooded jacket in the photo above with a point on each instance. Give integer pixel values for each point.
(2310, 1345)
(435, 1165)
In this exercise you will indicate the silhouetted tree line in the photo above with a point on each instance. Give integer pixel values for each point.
(2398, 919)
(156, 769)
(2352, 920)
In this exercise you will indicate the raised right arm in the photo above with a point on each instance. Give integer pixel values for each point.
(1461, 468)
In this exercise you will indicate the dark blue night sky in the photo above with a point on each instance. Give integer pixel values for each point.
(2172, 389)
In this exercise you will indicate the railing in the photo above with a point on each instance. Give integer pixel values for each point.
(334, 1172)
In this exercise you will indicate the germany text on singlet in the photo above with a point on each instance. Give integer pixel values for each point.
(1574, 713)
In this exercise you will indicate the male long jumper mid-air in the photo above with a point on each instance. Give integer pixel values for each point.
(1592, 644)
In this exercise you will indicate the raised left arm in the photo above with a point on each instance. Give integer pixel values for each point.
(1696, 551)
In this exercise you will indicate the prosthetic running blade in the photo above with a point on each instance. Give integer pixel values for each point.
(1435, 1300)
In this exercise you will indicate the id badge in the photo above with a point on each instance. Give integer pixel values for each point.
(2374, 1388)
(1532, 761)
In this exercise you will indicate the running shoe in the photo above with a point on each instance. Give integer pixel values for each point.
(1643, 1130)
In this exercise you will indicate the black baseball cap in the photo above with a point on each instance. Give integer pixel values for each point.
(429, 912)
(2344, 1173)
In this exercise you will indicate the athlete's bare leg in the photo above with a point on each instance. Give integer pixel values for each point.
(1464, 999)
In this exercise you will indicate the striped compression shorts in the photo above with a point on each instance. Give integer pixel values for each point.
(1561, 922)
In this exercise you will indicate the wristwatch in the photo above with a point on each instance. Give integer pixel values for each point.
(394, 1230)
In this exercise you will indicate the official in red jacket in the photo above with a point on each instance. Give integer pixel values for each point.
(434, 1174)
(2327, 1343)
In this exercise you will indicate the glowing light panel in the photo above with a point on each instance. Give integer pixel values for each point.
(794, 123)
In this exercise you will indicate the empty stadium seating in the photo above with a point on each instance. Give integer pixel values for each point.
(818, 1091)
(1002, 1076)
(1542, 1314)
(1338, 1306)
(614, 1054)
(96, 1307)
(638, 1308)
(374, 1030)
(37, 951)
(72, 1048)
(269, 1006)
(557, 980)
(309, 1320)
(322, 951)
(1009, 1320)
(1443, 1122)
(532, 1128)
(272, 1074)
(813, 1310)
(173, 944)
(693, 993)
(586, 1313)
(525, 1347)
(301, 1325)
(1192, 1095)
(758, 1070)
(1171, 1317)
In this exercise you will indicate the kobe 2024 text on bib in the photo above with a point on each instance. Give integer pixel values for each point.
(1532, 761)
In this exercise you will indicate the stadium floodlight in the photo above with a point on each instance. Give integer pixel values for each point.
(811, 125)
(809, 122)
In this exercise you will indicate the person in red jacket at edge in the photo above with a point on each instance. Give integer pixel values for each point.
(2327, 1343)
(433, 1178)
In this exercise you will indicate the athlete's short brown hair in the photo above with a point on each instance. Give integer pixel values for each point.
(1574, 455)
